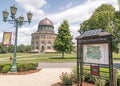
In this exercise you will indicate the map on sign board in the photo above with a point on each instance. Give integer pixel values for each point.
(96, 53)
(93, 52)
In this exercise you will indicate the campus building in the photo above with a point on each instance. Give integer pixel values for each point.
(43, 40)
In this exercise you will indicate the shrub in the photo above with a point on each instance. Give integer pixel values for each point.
(99, 82)
(74, 75)
(118, 78)
(26, 67)
(88, 78)
(1, 67)
(66, 78)
(20, 67)
(6, 68)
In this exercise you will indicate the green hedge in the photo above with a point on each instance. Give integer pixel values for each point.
(5, 68)
(26, 67)
(1, 67)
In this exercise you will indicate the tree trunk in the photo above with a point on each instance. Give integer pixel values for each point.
(62, 55)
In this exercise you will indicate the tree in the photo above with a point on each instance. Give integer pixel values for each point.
(3, 49)
(28, 48)
(101, 19)
(21, 48)
(63, 42)
(11, 48)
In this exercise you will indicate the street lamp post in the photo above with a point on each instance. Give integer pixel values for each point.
(18, 22)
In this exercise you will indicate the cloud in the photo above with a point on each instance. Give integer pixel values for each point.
(69, 4)
(74, 31)
(33, 5)
(78, 14)
(75, 15)
(24, 35)
(66, 6)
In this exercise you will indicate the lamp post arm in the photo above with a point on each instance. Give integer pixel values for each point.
(17, 22)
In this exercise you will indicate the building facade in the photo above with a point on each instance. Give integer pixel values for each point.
(43, 40)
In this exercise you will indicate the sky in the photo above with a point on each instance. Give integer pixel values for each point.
(75, 11)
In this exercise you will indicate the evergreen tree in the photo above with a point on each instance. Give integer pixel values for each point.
(63, 42)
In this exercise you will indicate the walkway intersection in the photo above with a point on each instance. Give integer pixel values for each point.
(45, 77)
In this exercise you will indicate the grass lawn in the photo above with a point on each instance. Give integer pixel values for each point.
(11, 54)
(116, 57)
(51, 57)
(31, 57)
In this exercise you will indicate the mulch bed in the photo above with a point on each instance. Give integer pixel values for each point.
(21, 73)
(83, 84)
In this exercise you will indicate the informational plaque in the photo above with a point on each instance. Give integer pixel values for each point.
(95, 70)
(96, 53)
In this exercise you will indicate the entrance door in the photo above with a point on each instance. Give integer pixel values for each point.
(43, 48)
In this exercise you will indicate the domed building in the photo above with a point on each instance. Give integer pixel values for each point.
(43, 40)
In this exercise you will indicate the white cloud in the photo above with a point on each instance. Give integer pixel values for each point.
(34, 6)
(66, 6)
(74, 15)
(78, 14)
(74, 31)
(69, 4)
(31, 4)
(56, 25)
(24, 35)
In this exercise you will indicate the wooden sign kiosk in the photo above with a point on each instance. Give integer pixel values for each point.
(94, 49)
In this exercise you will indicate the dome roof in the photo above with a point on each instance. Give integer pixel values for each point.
(46, 21)
(45, 25)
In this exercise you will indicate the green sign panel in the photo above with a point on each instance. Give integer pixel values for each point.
(93, 52)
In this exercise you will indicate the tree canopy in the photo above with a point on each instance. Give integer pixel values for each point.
(63, 42)
(100, 18)
(104, 17)
(21, 48)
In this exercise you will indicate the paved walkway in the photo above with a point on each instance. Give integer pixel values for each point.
(45, 77)
(57, 65)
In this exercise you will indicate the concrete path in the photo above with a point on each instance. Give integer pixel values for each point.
(57, 65)
(45, 77)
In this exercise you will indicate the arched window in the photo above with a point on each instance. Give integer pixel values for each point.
(37, 43)
(49, 45)
(43, 42)
(49, 42)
